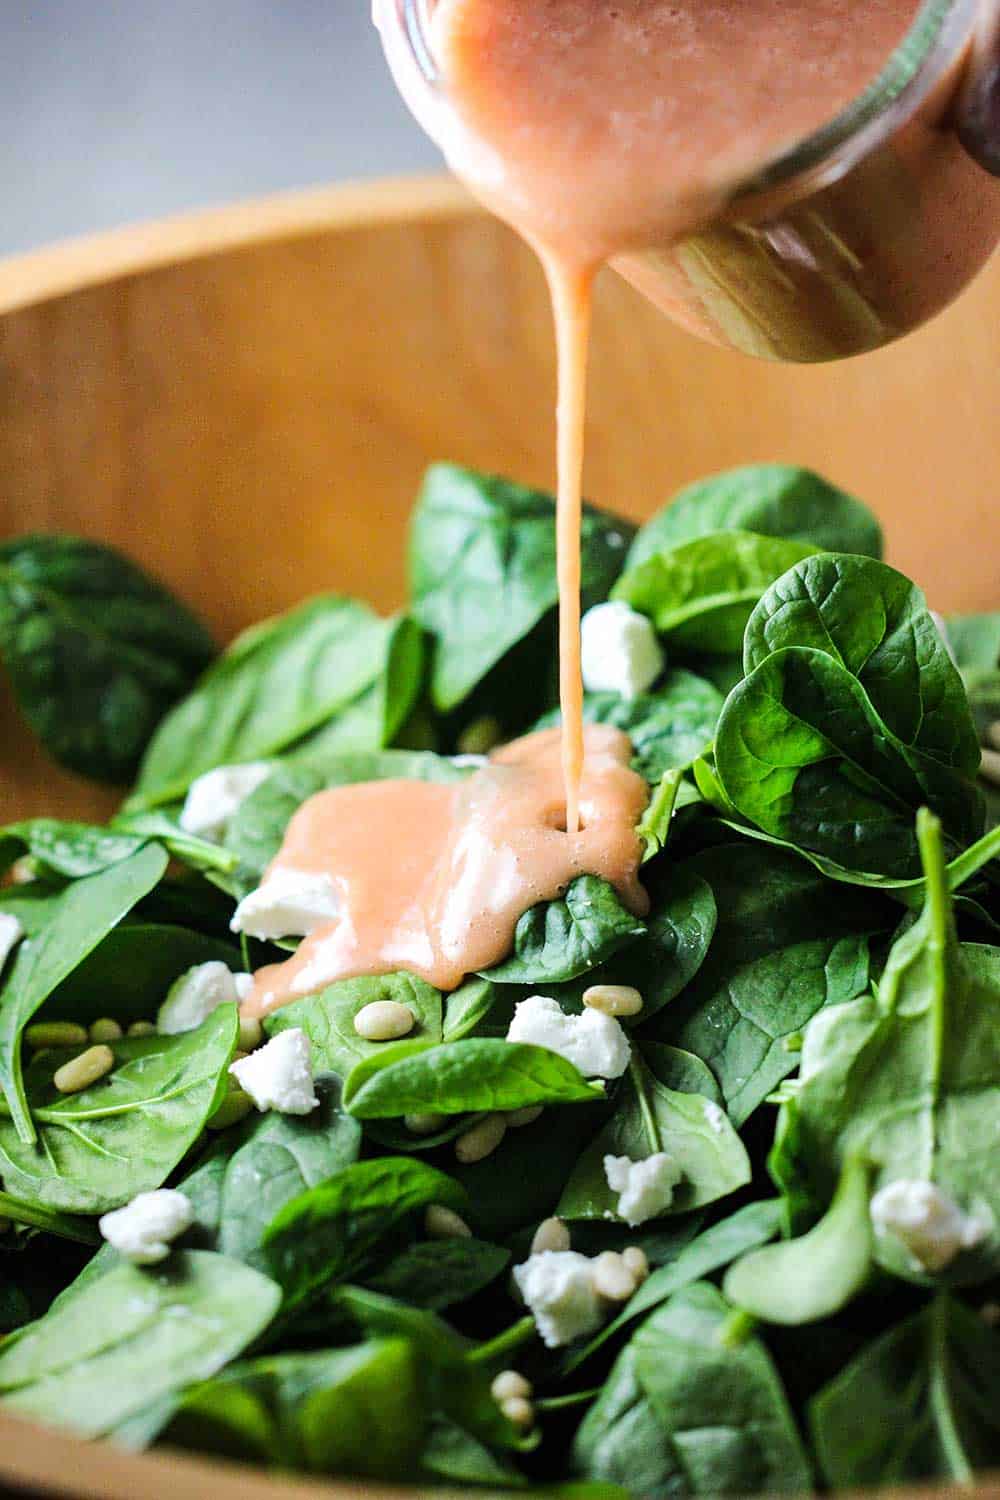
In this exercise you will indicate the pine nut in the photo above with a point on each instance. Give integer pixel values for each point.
(55, 1034)
(990, 766)
(993, 734)
(442, 1223)
(425, 1124)
(84, 1070)
(384, 1021)
(481, 1141)
(105, 1030)
(22, 871)
(551, 1234)
(251, 1033)
(519, 1412)
(480, 737)
(612, 1278)
(234, 1108)
(141, 1028)
(510, 1385)
(613, 999)
(990, 1313)
(636, 1263)
(518, 1118)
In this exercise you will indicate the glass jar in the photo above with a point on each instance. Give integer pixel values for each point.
(858, 234)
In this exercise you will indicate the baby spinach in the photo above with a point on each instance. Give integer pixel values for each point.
(120, 1343)
(436, 1274)
(128, 974)
(699, 594)
(126, 1133)
(277, 683)
(483, 570)
(97, 652)
(771, 499)
(477, 1074)
(79, 919)
(356, 1411)
(975, 642)
(910, 1076)
(375, 718)
(922, 1402)
(68, 851)
(559, 940)
(466, 1007)
(651, 1116)
(328, 1018)
(681, 1414)
(65, 1226)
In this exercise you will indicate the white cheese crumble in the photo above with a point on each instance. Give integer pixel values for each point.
(11, 933)
(278, 1075)
(645, 1188)
(619, 651)
(715, 1116)
(214, 799)
(927, 1221)
(594, 1042)
(290, 903)
(144, 1229)
(558, 1289)
(194, 996)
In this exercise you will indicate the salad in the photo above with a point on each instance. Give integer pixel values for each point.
(705, 1202)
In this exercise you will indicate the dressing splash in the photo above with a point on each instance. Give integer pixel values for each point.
(432, 878)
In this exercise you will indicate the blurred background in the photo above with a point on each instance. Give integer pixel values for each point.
(114, 110)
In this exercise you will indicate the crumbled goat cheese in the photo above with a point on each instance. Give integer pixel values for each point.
(215, 798)
(11, 933)
(645, 1188)
(715, 1116)
(927, 1221)
(558, 1289)
(619, 651)
(290, 903)
(594, 1042)
(194, 996)
(279, 1075)
(143, 1230)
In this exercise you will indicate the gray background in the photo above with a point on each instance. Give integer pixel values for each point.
(114, 110)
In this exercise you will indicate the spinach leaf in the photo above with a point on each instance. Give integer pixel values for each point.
(922, 1402)
(65, 1226)
(801, 752)
(277, 683)
(770, 499)
(910, 1077)
(80, 918)
(875, 623)
(127, 1132)
(328, 1018)
(559, 940)
(669, 727)
(116, 1345)
(163, 826)
(783, 950)
(355, 1411)
(96, 650)
(804, 1280)
(483, 570)
(454, 1455)
(375, 718)
(328, 1233)
(128, 974)
(477, 1074)
(700, 593)
(436, 1274)
(651, 1116)
(975, 642)
(681, 1414)
(466, 1007)
(713, 1249)
(68, 851)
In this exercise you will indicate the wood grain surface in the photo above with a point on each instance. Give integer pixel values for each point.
(245, 400)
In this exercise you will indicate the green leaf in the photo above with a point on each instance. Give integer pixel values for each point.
(276, 683)
(682, 1414)
(700, 594)
(802, 753)
(466, 1007)
(559, 940)
(67, 850)
(129, 973)
(79, 919)
(328, 1018)
(436, 1274)
(651, 1116)
(814, 1277)
(771, 499)
(975, 640)
(97, 652)
(126, 1133)
(374, 719)
(483, 570)
(922, 1402)
(474, 1075)
(114, 1346)
(875, 623)
(64, 1226)
(356, 1412)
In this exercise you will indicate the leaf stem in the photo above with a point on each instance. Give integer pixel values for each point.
(737, 1328)
(521, 1332)
(940, 1396)
(563, 1403)
(645, 1108)
(940, 931)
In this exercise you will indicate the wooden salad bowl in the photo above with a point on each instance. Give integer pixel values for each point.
(244, 401)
